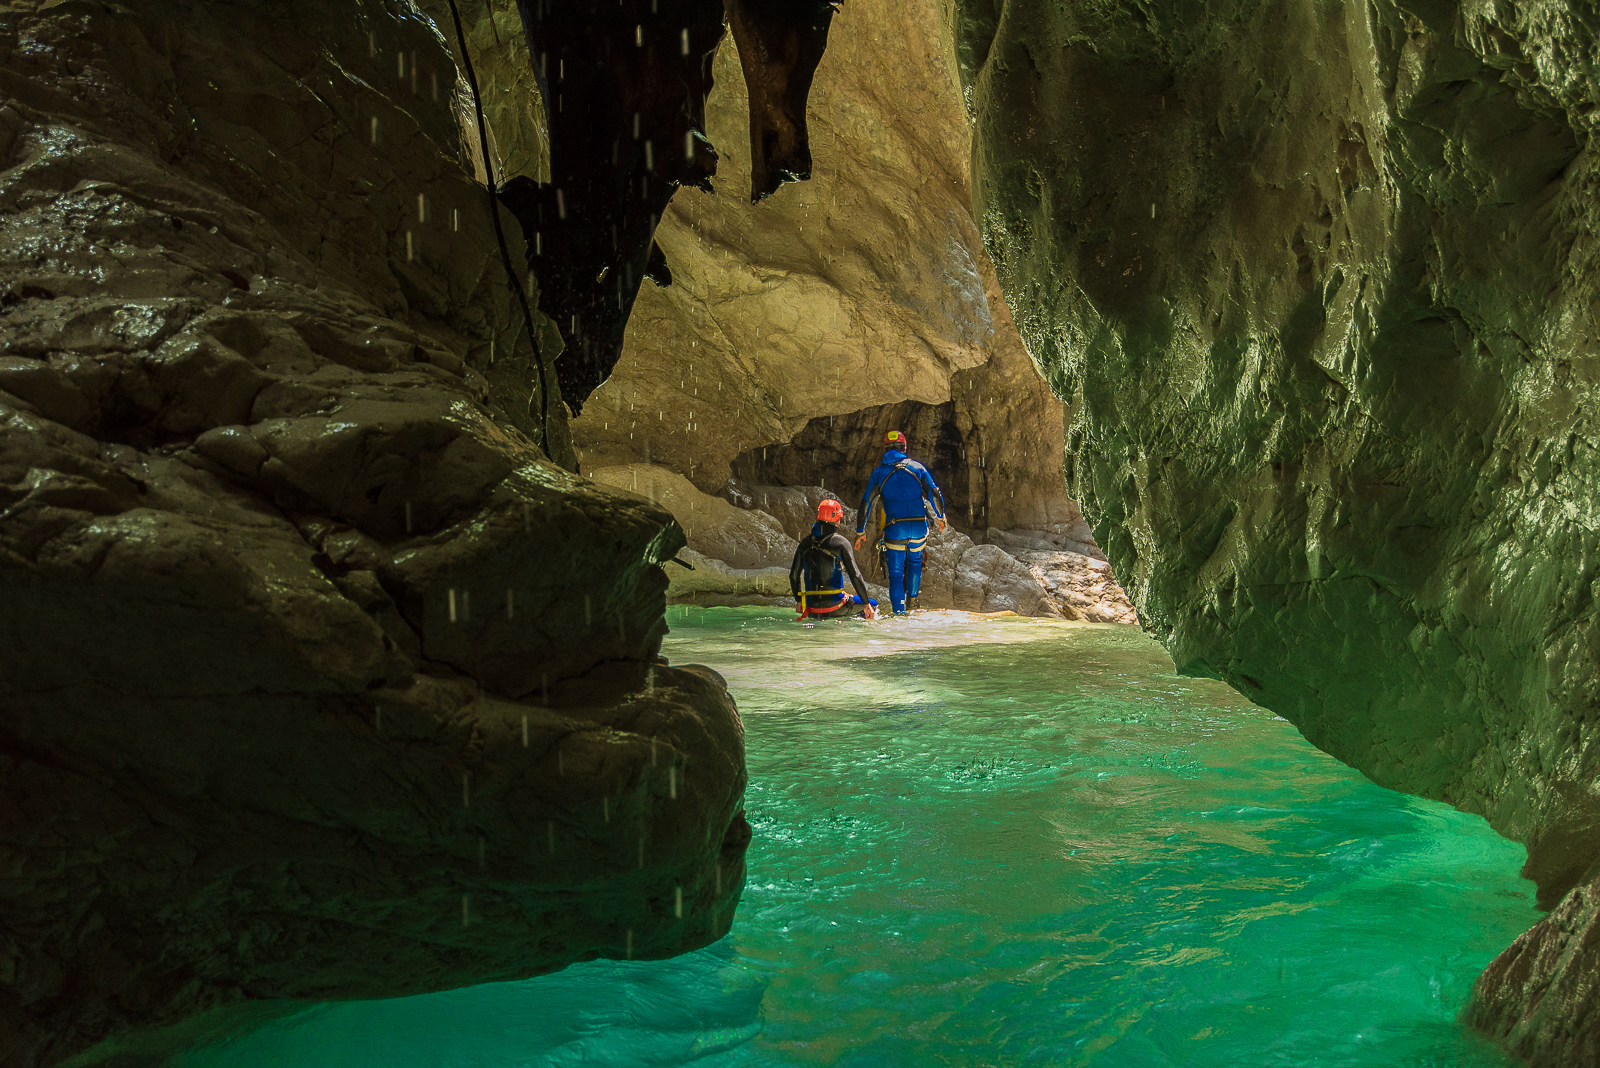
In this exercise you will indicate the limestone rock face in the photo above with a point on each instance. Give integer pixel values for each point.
(712, 582)
(321, 678)
(739, 537)
(1319, 286)
(797, 330)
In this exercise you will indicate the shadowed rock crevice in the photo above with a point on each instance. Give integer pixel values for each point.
(624, 89)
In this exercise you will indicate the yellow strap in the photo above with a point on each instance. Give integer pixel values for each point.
(912, 546)
(814, 593)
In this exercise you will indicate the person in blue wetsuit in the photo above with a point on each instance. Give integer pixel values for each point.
(901, 486)
(821, 561)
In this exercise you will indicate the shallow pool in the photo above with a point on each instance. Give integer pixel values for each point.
(1009, 842)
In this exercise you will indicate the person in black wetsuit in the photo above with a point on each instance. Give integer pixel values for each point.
(821, 561)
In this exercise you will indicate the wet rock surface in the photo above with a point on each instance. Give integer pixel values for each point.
(324, 677)
(1318, 285)
(1542, 995)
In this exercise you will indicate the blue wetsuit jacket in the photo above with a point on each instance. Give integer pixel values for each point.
(904, 484)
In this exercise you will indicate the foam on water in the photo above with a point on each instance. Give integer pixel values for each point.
(1009, 842)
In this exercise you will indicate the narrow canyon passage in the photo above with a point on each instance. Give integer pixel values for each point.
(1006, 842)
(386, 384)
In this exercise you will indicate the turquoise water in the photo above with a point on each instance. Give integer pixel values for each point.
(997, 842)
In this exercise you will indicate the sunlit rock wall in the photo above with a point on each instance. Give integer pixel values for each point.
(865, 286)
(320, 675)
(1318, 284)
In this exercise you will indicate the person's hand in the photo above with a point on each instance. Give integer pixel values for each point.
(860, 538)
(871, 612)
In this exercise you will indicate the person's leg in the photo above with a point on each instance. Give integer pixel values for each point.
(849, 608)
(914, 561)
(895, 561)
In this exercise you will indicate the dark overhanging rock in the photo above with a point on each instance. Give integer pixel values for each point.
(624, 87)
(624, 90)
(322, 678)
(1318, 285)
(780, 44)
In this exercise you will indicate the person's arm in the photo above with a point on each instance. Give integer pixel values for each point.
(795, 567)
(848, 559)
(866, 499)
(935, 498)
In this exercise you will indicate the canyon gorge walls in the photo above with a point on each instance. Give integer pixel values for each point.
(325, 677)
(801, 322)
(1319, 286)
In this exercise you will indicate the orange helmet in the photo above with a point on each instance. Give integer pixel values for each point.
(830, 511)
(894, 437)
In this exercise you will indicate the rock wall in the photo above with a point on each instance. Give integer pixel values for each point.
(838, 303)
(1318, 284)
(323, 677)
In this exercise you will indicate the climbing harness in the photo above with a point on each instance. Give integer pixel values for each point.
(809, 554)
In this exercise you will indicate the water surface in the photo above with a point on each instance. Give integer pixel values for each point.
(1009, 842)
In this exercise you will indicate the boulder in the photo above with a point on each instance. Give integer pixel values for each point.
(739, 537)
(325, 677)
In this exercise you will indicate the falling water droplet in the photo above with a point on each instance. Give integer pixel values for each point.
(672, 782)
(638, 36)
(652, 752)
(605, 808)
(650, 165)
(411, 253)
(630, 943)
(677, 902)
(374, 129)
(452, 604)
(561, 203)
(465, 910)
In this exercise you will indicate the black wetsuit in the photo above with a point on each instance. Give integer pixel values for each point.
(822, 559)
